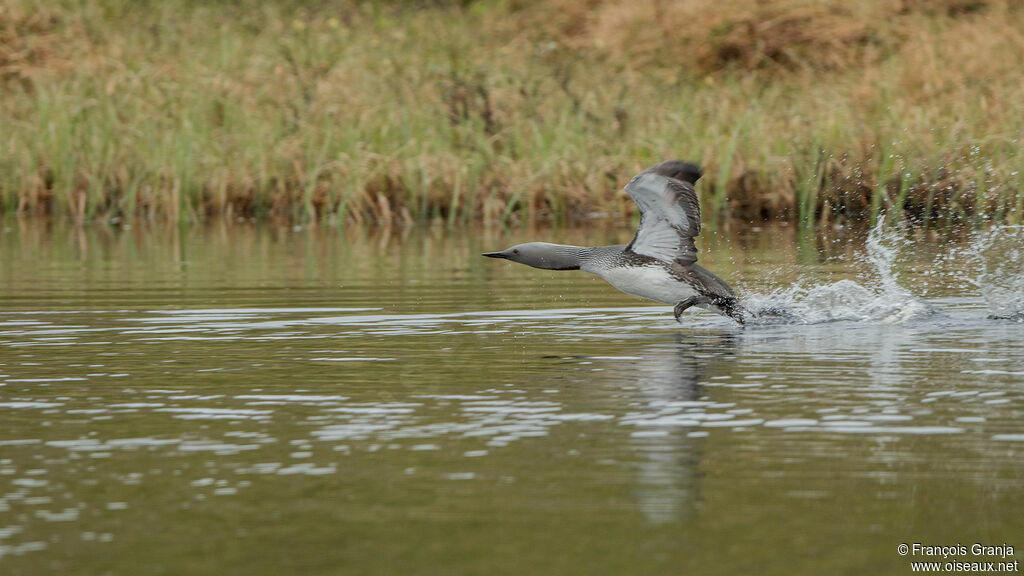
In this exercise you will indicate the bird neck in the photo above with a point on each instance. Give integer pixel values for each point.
(593, 259)
(563, 257)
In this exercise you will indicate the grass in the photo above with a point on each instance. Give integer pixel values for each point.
(510, 109)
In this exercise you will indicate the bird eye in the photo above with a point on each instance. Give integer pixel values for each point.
(515, 251)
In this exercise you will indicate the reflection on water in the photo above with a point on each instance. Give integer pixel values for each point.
(264, 401)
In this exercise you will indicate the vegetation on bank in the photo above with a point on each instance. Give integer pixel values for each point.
(504, 109)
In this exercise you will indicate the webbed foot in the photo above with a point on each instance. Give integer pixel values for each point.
(736, 313)
(682, 305)
(776, 314)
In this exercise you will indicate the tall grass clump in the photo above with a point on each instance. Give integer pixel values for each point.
(352, 111)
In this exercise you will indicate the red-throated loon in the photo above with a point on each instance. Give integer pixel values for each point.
(660, 263)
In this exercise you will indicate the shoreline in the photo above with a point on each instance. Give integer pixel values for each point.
(381, 112)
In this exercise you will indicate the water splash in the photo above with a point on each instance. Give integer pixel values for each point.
(1000, 255)
(881, 300)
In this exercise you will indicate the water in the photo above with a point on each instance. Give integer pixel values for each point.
(999, 255)
(256, 400)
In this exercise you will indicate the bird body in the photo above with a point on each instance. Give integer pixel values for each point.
(652, 282)
(660, 263)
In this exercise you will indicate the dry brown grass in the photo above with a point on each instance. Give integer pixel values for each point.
(368, 112)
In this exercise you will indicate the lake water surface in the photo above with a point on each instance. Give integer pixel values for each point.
(241, 399)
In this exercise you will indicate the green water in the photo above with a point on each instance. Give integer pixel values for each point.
(240, 399)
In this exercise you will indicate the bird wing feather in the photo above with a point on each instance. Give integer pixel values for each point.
(670, 218)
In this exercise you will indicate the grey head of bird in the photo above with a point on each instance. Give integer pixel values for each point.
(685, 171)
(542, 255)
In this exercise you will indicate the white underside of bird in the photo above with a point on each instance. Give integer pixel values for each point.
(651, 282)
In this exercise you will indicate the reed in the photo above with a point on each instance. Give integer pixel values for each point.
(350, 111)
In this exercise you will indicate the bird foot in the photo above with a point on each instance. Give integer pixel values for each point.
(681, 307)
(731, 308)
(737, 315)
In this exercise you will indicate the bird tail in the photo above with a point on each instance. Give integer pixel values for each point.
(732, 308)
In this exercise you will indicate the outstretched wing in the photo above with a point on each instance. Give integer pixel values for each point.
(670, 218)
